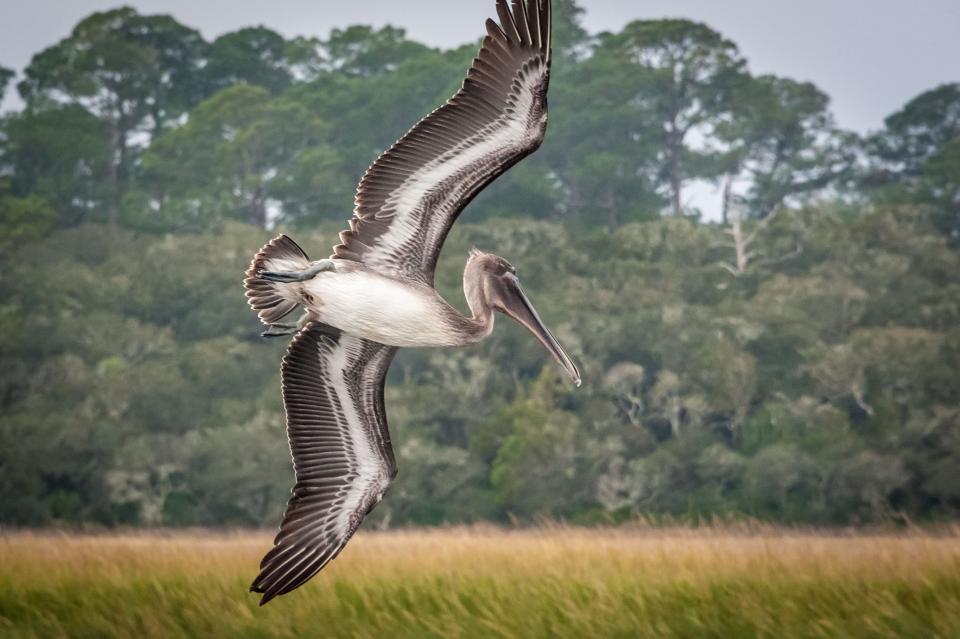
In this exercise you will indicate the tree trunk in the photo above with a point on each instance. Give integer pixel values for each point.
(739, 244)
(674, 417)
(675, 187)
(675, 145)
(727, 196)
(157, 125)
(612, 216)
(861, 402)
(258, 209)
(117, 158)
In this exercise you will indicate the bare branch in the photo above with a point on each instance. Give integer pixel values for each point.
(858, 397)
(729, 268)
(783, 258)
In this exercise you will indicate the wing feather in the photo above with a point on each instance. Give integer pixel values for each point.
(509, 25)
(411, 196)
(340, 444)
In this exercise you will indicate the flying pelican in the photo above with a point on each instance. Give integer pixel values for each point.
(375, 294)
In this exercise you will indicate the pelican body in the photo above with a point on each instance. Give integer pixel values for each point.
(405, 313)
(375, 294)
(384, 309)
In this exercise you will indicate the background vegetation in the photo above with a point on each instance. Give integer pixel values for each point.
(798, 360)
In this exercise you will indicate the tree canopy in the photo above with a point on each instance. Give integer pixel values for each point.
(797, 361)
(6, 75)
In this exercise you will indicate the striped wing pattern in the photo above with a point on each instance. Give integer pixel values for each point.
(342, 456)
(405, 205)
(411, 196)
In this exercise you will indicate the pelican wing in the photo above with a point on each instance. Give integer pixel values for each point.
(333, 395)
(410, 197)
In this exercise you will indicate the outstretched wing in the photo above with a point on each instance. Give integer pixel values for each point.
(411, 196)
(333, 395)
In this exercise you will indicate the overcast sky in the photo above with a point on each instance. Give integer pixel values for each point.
(869, 55)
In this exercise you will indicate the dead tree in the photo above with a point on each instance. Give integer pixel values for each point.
(741, 240)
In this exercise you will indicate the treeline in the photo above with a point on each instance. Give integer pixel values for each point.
(799, 361)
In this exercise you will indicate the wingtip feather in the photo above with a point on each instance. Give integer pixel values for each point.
(547, 10)
(521, 18)
(520, 42)
(507, 22)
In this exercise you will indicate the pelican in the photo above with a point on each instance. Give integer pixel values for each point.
(375, 294)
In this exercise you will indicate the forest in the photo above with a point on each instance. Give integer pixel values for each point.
(795, 358)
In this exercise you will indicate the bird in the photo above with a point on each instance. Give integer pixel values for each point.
(375, 293)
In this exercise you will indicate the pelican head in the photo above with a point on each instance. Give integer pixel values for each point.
(491, 284)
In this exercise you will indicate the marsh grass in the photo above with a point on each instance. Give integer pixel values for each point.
(481, 582)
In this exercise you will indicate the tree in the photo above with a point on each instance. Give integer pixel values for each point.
(55, 162)
(237, 473)
(939, 185)
(255, 55)
(241, 154)
(727, 376)
(917, 132)
(914, 158)
(685, 71)
(543, 442)
(439, 487)
(134, 388)
(782, 139)
(179, 53)
(863, 488)
(673, 401)
(601, 145)
(783, 482)
(6, 75)
(361, 50)
(570, 39)
(133, 72)
(24, 219)
(372, 112)
(743, 236)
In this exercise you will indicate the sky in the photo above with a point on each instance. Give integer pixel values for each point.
(870, 56)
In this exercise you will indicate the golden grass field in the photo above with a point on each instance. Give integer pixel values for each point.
(482, 582)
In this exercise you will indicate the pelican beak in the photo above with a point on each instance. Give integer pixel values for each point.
(515, 304)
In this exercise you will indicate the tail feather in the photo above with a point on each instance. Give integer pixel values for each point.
(271, 300)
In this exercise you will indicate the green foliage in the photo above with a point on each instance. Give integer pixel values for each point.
(683, 73)
(819, 383)
(23, 219)
(783, 140)
(240, 151)
(255, 55)
(134, 73)
(918, 131)
(915, 159)
(6, 75)
(795, 399)
(364, 51)
(569, 36)
(59, 155)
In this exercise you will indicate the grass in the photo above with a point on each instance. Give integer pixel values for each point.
(489, 583)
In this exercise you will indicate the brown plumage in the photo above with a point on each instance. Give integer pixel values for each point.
(506, 86)
(405, 205)
(337, 483)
